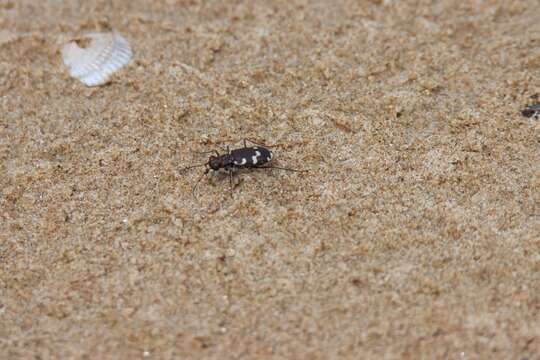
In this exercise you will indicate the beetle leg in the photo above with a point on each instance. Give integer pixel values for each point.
(262, 145)
(253, 142)
(205, 152)
(277, 167)
(230, 172)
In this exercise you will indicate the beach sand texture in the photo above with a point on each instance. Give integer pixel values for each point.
(415, 233)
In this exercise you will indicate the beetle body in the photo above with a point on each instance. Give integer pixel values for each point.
(246, 157)
(252, 156)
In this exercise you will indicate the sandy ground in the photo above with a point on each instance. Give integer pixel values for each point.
(415, 234)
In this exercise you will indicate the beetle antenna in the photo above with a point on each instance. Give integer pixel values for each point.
(198, 181)
(193, 166)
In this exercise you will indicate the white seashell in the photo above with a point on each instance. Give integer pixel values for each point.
(95, 63)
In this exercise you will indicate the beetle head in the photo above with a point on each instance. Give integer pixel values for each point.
(214, 163)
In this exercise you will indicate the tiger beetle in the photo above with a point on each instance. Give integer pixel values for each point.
(252, 157)
(531, 111)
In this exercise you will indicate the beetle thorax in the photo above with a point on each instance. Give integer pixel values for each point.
(219, 162)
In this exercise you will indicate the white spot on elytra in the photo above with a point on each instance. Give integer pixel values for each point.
(244, 160)
(257, 153)
(254, 159)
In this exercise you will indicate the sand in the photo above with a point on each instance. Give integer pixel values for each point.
(415, 233)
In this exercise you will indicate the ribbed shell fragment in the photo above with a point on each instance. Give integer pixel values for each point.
(93, 64)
